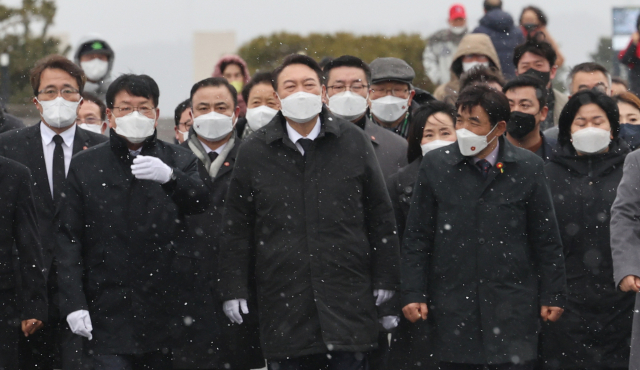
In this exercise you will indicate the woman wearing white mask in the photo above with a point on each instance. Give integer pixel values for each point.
(584, 174)
(262, 104)
(95, 57)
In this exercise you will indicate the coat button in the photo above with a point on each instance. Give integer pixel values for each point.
(480, 201)
(481, 241)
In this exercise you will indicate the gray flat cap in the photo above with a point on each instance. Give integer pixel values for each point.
(391, 69)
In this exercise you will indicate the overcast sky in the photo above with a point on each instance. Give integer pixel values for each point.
(154, 37)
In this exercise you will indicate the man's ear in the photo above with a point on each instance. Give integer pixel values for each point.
(325, 95)
(157, 116)
(543, 113)
(411, 95)
(236, 113)
(554, 71)
(111, 119)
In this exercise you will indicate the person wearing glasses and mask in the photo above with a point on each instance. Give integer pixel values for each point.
(46, 149)
(92, 115)
(347, 81)
(122, 225)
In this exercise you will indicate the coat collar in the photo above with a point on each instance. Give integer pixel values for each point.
(276, 130)
(506, 153)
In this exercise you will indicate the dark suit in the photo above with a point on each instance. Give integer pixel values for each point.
(25, 146)
(18, 227)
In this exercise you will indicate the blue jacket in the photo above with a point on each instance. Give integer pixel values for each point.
(505, 35)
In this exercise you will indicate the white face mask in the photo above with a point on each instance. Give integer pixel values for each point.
(185, 135)
(389, 108)
(458, 30)
(93, 127)
(95, 69)
(213, 126)
(58, 112)
(466, 66)
(135, 127)
(472, 144)
(347, 105)
(301, 107)
(591, 140)
(426, 148)
(259, 117)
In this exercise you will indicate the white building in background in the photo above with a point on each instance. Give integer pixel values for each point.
(208, 48)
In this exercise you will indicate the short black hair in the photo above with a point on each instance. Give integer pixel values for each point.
(494, 102)
(257, 79)
(584, 97)
(535, 44)
(183, 106)
(419, 120)
(347, 61)
(296, 59)
(588, 67)
(529, 81)
(216, 82)
(481, 74)
(542, 18)
(492, 4)
(87, 96)
(136, 85)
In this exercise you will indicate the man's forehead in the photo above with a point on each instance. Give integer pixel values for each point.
(297, 72)
(212, 95)
(522, 92)
(592, 77)
(347, 73)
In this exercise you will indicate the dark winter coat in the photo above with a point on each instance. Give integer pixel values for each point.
(631, 57)
(485, 254)
(322, 231)
(595, 328)
(206, 337)
(390, 148)
(19, 228)
(118, 241)
(505, 35)
(9, 122)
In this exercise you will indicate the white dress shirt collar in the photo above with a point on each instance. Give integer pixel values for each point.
(48, 134)
(295, 135)
(492, 157)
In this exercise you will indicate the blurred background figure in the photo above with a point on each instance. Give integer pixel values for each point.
(441, 46)
(235, 70)
(504, 34)
(584, 174)
(95, 57)
(482, 75)
(262, 104)
(475, 50)
(533, 21)
(631, 57)
(618, 86)
(92, 114)
(183, 120)
(629, 107)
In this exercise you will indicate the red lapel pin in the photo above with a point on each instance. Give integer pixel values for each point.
(85, 147)
(226, 164)
(500, 166)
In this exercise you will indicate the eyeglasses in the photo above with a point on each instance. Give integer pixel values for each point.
(89, 121)
(356, 87)
(69, 94)
(399, 92)
(124, 110)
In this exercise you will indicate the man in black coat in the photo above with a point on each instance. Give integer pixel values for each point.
(122, 223)
(308, 200)
(206, 338)
(19, 228)
(481, 252)
(57, 84)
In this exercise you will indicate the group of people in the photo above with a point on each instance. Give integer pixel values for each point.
(327, 217)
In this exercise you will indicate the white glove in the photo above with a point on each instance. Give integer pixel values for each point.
(80, 323)
(145, 167)
(389, 322)
(383, 295)
(232, 309)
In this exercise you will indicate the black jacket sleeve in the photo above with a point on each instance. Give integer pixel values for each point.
(629, 55)
(187, 190)
(69, 253)
(544, 237)
(34, 288)
(381, 225)
(418, 240)
(237, 245)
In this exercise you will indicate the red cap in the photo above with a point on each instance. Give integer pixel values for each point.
(457, 11)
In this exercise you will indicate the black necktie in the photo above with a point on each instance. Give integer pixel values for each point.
(484, 166)
(305, 144)
(212, 156)
(58, 174)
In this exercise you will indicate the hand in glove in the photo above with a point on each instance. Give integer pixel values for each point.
(80, 323)
(151, 168)
(389, 322)
(232, 309)
(383, 295)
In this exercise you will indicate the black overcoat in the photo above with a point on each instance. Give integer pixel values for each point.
(485, 254)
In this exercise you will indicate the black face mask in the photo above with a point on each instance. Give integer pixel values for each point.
(520, 124)
(530, 27)
(543, 76)
(631, 134)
